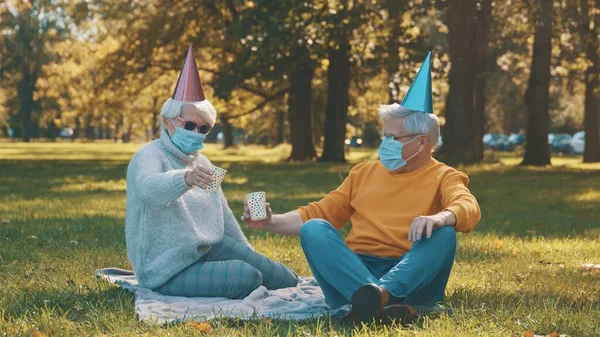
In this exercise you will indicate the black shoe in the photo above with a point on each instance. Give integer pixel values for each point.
(398, 314)
(367, 304)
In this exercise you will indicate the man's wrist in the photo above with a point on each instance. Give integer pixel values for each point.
(449, 218)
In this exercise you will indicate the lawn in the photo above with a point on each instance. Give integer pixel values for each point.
(62, 210)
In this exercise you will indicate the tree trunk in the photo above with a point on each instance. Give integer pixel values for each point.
(393, 8)
(299, 116)
(338, 81)
(280, 137)
(89, 130)
(537, 96)
(469, 27)
(26, 88)
(227, 130)
(591, 153)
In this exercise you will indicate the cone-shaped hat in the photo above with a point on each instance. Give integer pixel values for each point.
(189, 86)
(418, 97)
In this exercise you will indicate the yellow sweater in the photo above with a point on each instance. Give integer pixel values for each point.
(382, 205)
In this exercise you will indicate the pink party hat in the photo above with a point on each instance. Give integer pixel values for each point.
(189, 86)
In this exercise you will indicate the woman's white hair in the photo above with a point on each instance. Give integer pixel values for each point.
(172, 109)
(414, 121)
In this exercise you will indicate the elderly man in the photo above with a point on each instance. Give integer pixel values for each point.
(405, 210)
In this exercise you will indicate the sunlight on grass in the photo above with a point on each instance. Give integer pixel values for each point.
(591, 195)
(62, 210)
(557, 161)
(111, 185)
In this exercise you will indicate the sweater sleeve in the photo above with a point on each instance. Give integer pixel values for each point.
(334, 207)
(232, 227)
(153, 186)
(457, 198)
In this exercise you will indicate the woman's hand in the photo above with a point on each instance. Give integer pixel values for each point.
(200, 176)
(258, 224)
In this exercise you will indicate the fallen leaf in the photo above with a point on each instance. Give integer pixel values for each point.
(200, 326)
(590, 266)
(38, 333)
(498, 244)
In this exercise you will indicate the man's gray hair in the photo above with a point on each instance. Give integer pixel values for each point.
(414, 121)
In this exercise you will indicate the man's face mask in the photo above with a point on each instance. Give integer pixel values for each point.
(390, 152)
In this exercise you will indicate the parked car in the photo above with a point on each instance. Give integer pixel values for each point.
(486, 139)
(497, 142)
(516, 139)
(578, 142)
(561, 143)
(66, 133)
(354, 141)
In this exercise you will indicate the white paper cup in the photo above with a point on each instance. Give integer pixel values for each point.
(218, 175)
(257, 205)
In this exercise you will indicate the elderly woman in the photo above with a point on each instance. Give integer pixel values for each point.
(183, 240)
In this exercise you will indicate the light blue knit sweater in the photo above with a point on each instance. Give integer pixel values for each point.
(168, 225)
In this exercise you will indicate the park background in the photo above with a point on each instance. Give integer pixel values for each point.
(297, 85)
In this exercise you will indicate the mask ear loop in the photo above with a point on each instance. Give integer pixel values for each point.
(170, 120)
(416, 153)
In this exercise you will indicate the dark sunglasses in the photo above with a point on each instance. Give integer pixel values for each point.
(191, 126)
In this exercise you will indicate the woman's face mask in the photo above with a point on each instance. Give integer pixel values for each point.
(187, 141)
(390, 153)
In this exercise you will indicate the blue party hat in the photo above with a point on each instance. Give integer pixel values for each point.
(418, 97)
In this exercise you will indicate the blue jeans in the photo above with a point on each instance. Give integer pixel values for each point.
(418, 277)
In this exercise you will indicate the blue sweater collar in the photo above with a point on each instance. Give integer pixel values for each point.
(169, 147)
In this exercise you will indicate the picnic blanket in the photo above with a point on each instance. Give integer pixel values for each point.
(302, 302)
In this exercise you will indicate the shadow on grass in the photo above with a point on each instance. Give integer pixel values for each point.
(522, 202)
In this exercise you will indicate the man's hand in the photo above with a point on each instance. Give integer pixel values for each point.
(427, 224)
(258, 224)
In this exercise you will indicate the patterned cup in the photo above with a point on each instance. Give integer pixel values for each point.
(218, 175)
(257, 205)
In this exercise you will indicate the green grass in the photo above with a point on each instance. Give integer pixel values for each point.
(62, 212)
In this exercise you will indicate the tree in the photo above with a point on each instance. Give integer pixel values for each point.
(338, 81)
(393, 45)
(343, 20)
(537, 96)
(589, 30)
(30, 29)
(469, 25)
(299, 106)
(276, 38)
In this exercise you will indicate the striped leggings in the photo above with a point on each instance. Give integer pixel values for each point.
(230, 269)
